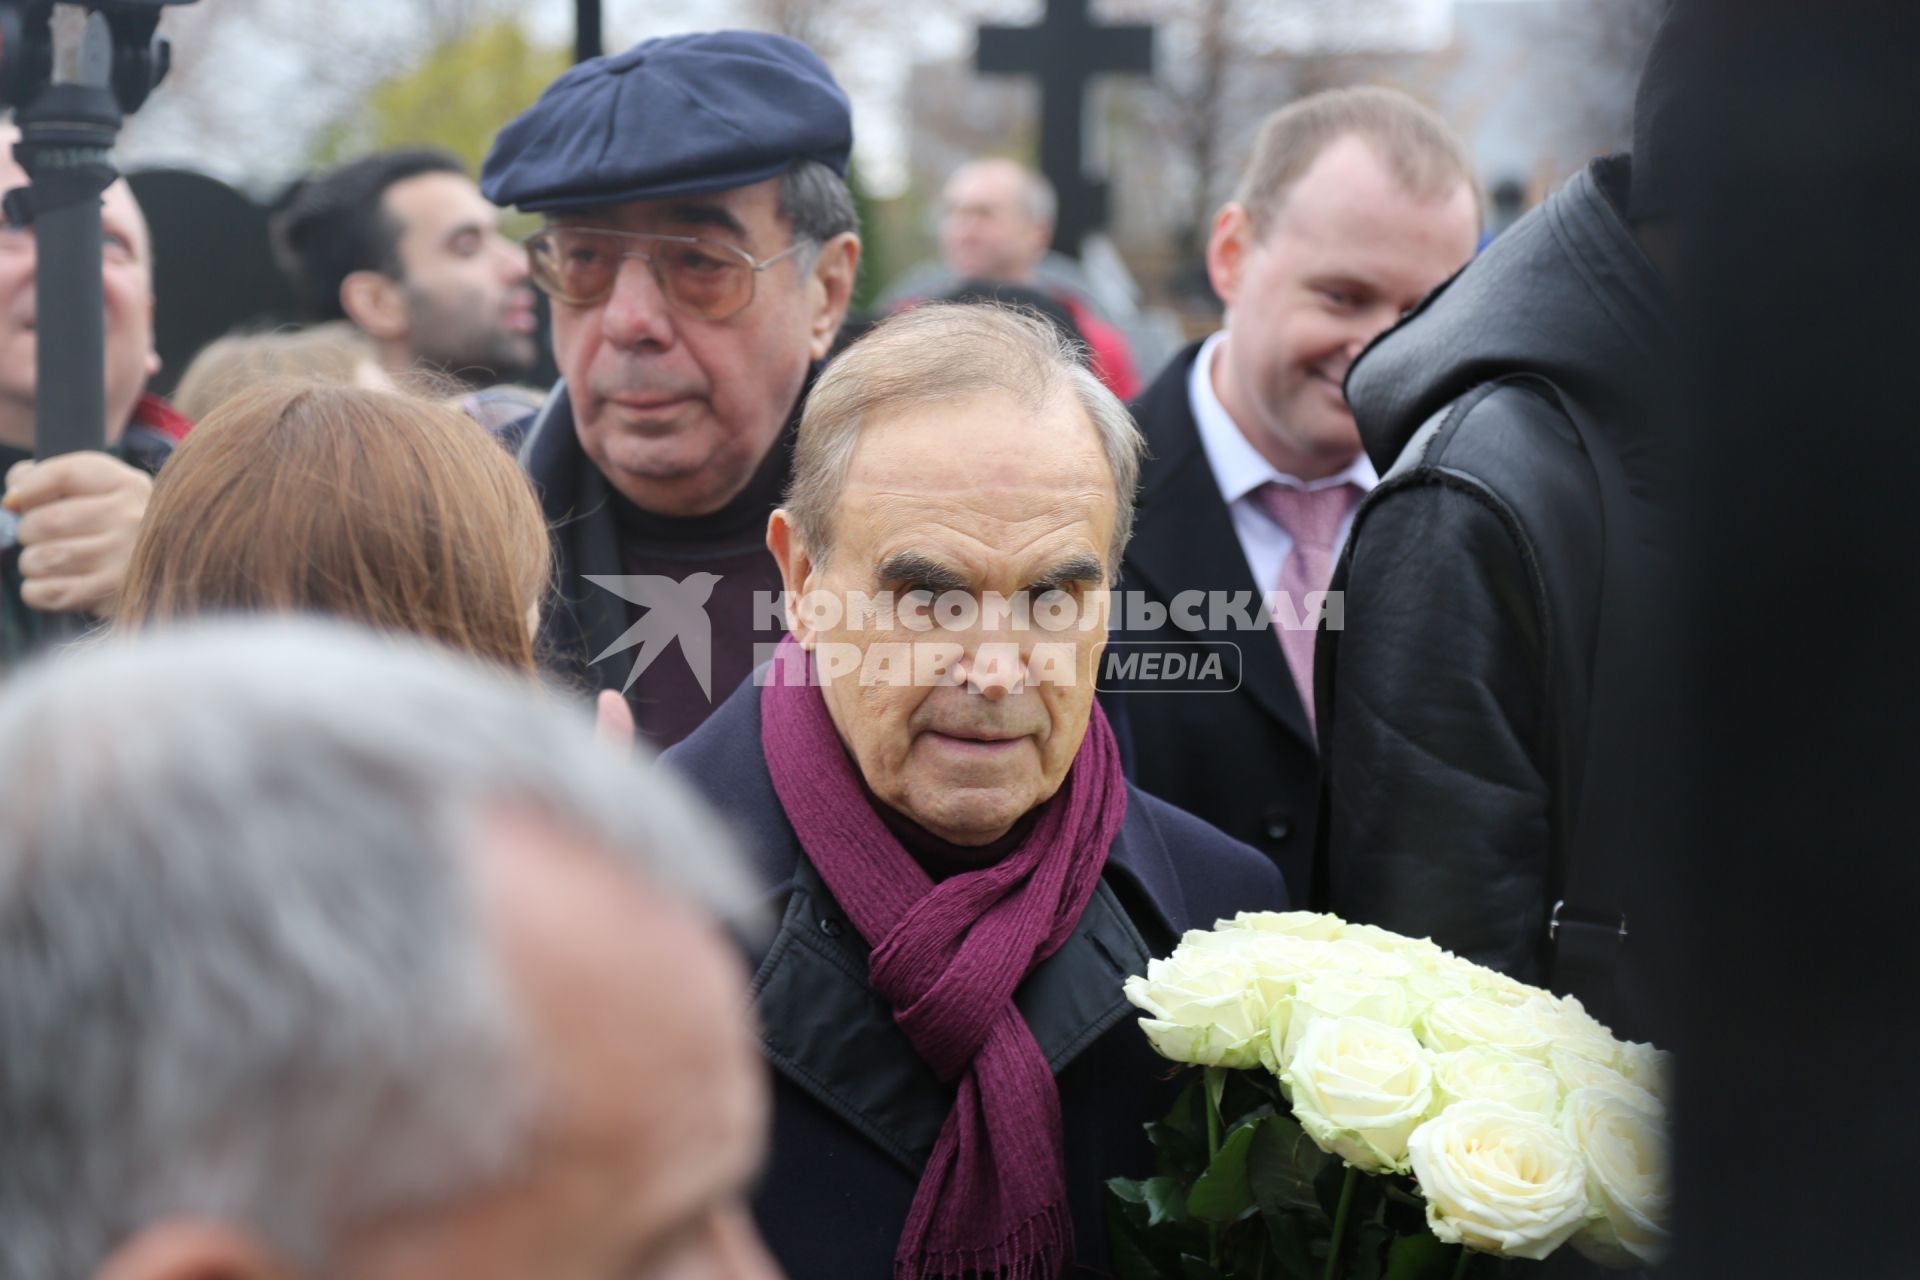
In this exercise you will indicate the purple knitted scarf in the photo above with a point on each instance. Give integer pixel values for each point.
(947, 957)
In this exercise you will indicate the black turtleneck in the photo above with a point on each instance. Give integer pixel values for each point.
(667, 700)
(942, 858)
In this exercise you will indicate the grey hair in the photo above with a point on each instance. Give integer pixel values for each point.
(243, 974)
(950, 351)
(817, 204)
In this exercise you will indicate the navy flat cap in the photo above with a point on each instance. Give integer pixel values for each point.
(678, 116)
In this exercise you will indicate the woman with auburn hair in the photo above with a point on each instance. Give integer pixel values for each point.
(373, 506)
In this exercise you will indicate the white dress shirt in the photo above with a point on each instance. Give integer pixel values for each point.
(1239, 469)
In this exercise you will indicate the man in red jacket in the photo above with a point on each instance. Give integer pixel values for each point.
(996, 223)
(67, 525)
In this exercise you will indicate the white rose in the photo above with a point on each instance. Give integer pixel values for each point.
(1485, 1074)
(1488, 984)
(1578, 1018)
(1386, 940)
(1577, 1071)
(1358, 1089)
(1499, 1180)
(1202, 1006)
(1359, 958)
(1574, 1030)
(1625, 1151)
(1648, 1067)
(1333, 994)
(1313, 925)
(1465, 1021)
(1279, 962)
(1430, 983)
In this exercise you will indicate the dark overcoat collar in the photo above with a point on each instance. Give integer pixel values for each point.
(578, 505)
(822, 1025)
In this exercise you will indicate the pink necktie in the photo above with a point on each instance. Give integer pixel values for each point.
(1312, 519)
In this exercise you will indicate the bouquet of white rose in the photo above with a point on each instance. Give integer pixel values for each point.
(1376, 1108)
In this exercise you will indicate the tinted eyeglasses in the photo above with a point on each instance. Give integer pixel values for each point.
(701, 278)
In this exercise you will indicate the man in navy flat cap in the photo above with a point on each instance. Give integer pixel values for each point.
(700, 248)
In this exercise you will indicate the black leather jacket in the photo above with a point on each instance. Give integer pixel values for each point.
(1457, 698)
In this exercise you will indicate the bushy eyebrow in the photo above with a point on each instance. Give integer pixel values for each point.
(1071, 571)
(921, 571)
(925, 573)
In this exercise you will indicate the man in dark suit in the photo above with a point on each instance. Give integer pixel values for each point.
(1355, 205)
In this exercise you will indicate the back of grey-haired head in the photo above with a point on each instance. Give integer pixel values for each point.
(944, 352)
(243, 976)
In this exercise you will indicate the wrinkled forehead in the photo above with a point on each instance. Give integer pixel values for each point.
(989, 469)
(999, 184)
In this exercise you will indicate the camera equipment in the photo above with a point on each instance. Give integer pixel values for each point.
(72, 71)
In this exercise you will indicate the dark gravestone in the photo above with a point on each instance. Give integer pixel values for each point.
(213, 269)
(587, 39)
(1065, 52)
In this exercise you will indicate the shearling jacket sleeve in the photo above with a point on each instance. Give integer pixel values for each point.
(1433, 701)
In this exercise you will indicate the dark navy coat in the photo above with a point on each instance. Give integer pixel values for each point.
(856, 1112)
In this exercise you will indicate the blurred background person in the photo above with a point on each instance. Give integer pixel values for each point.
(335, 352)
(996, 223)
(403, 245)
(67, 524)
(358, 960)
(382, 508)
(1020, 296)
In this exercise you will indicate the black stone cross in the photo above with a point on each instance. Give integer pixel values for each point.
(1065, 52)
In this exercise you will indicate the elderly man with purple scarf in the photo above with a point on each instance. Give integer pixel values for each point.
(963, 876)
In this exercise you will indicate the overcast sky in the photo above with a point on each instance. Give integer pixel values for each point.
(264, 73)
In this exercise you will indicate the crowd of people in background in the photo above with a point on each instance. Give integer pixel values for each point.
(405, 961)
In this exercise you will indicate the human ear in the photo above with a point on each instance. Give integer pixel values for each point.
(153, 355)
(796, 570)
(1227, 250)
(373, 302)
(830, 290)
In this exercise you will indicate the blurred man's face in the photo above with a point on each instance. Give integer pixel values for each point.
(652, 1103)
(986, 230)
(1024, 507)
(468, 305)
(1347, 253)
(678, 411)
(126, 278)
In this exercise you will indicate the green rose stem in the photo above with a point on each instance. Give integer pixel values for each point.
(1460, 1264)
(1215, 1086)
(1340, 1224)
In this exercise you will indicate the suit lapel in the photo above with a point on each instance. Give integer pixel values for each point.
(1184, 540)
